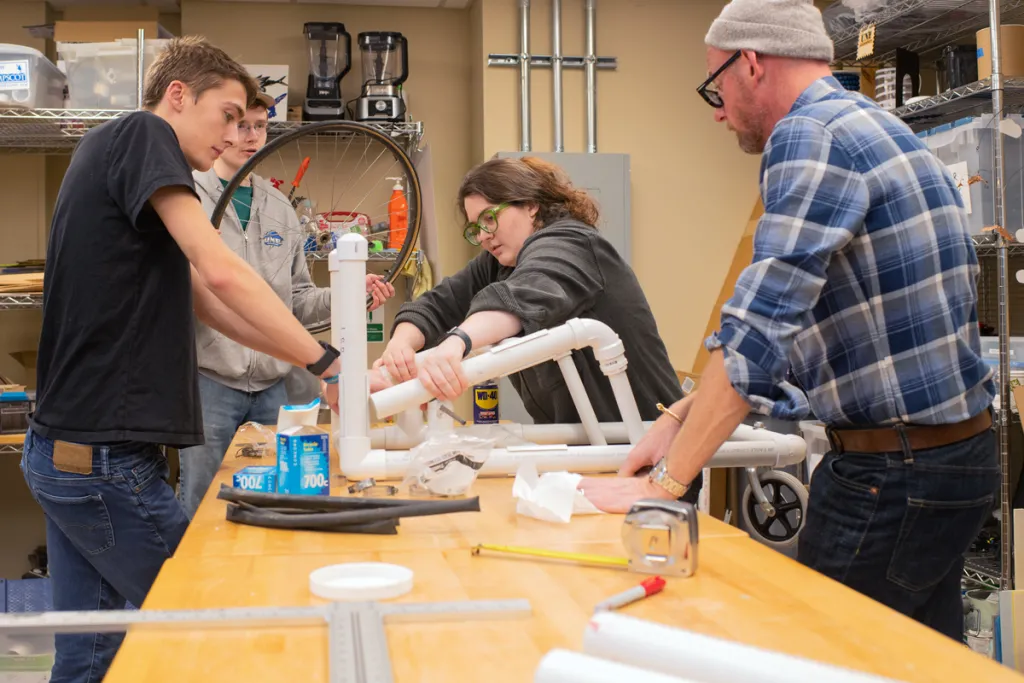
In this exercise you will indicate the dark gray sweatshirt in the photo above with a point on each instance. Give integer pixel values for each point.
(566, 270)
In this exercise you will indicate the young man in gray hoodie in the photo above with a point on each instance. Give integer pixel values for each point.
(237, 384)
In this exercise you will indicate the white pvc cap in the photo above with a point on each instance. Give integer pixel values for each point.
(360, 581)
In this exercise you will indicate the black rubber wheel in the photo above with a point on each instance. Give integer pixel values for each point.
(789, 498)
(340, 130)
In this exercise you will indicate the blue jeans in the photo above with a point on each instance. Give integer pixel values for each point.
(107, 535)
(895, 526)
(224, 411)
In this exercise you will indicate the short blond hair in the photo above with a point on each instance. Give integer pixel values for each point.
(197, 63)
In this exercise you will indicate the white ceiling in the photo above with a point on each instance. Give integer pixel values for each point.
(173, 5)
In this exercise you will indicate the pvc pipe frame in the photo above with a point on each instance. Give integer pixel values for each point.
(362, 456)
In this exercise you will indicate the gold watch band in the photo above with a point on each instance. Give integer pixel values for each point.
(668, 411)
(660, 476)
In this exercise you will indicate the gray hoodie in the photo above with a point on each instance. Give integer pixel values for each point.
(272, 245)
(567, 270)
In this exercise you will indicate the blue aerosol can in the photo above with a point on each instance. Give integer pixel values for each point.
(485, 403)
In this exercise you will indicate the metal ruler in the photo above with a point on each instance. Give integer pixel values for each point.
(357, 647)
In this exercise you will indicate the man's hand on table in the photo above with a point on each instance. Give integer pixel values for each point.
(617, 494)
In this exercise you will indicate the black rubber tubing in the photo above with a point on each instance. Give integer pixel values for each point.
(264, 519)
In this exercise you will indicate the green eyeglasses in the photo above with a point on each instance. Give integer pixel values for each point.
(487, 222)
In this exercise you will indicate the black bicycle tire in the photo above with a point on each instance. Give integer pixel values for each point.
(413, 191)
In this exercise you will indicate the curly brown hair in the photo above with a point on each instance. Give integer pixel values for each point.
(529, 180)
(197, 63)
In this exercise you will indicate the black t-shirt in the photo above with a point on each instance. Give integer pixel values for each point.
(117, 354)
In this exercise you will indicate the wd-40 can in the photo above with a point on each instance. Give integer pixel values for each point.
(485, 403)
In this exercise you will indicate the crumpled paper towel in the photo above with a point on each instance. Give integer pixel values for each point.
(552, 497)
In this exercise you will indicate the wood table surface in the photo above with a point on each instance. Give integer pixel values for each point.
(742, 591)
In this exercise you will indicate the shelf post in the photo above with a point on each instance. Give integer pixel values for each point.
(1002, 284)
(140, 87)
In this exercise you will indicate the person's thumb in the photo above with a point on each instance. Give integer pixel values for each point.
(634, 461)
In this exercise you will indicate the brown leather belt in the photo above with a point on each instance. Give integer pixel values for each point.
(919, 437)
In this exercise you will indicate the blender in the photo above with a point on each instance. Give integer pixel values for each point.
(385, 56)
(330, 57)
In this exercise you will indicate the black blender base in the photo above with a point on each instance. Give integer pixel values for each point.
(333, 111)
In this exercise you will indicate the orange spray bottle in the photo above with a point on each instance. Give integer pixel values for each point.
(398, 216)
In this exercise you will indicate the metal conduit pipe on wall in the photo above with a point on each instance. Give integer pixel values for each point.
(556, 72)
(524, 75)
(591, 66)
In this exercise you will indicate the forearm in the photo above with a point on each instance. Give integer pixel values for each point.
(712, 416)
(252, 300)
(407, 333)
(221, 318)
(490, 327)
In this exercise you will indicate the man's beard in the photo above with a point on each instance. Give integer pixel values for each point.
(750, 142)
(752, 139)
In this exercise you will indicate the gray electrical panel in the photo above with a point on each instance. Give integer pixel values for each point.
(606, 178)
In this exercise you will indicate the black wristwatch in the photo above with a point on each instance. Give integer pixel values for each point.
(330, 355)
(456, 332)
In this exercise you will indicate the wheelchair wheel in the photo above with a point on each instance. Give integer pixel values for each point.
(788, 499)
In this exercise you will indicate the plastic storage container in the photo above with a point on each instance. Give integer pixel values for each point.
(970, 141)
(105, 75)
(15, 407)
(28, 80)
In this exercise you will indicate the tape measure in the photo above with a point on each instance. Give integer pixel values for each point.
(660, 537)
(357, 644)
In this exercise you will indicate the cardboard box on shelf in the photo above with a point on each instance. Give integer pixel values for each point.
(27, 359)
(105, 31)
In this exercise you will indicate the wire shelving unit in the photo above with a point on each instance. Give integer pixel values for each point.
(924, 26)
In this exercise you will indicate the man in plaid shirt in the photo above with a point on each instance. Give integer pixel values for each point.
(863, 286)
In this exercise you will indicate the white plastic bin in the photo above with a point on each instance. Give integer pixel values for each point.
(105, 75)
(28, 80)
(817, 444)
(971, 142)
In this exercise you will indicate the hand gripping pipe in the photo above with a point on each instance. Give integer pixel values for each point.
(516, 354)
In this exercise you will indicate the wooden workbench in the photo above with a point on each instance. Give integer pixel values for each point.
(742, 591)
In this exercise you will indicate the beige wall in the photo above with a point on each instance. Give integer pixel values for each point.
(692, 189)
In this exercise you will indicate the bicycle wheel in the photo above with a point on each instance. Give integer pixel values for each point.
(331, 177)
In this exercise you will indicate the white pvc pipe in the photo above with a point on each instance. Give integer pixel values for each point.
(792, 448)
(389, 464)
(347, 264)
(403, 438)
(563, 666)
(517, 354)
(674, 651)
(624, 396)
(574, 383)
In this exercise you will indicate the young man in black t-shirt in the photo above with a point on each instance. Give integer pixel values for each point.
(132, 257)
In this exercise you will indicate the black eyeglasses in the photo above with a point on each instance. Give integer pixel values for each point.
(708, 90)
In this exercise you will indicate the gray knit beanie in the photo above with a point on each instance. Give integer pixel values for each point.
(785, 28)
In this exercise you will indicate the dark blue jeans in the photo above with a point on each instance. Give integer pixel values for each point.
(895, 526)
(107, 535)
(224, 411)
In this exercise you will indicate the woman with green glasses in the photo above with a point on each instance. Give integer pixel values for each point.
(542, 263)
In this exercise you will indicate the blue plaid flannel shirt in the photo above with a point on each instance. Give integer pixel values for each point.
(863, 279)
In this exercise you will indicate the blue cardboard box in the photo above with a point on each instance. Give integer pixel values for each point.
(261, 478)
(304, 461)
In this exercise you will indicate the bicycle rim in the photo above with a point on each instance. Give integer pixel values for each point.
(369, 177)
